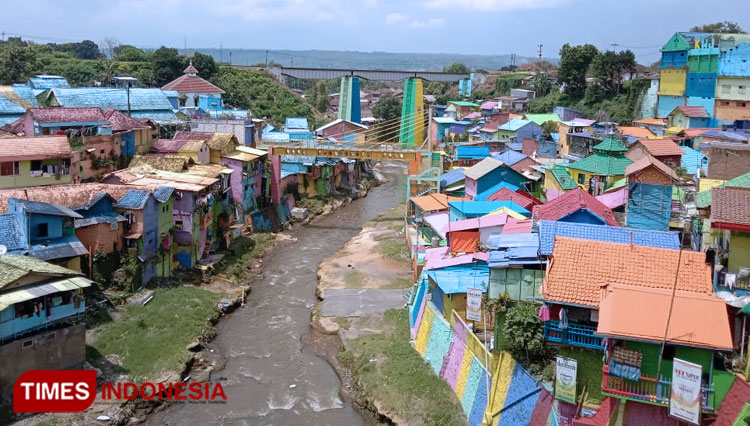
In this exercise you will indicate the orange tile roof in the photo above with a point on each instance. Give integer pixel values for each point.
(34, 148)
(434, 202)
(71, 195)
(638, 132)
(580, 267)
(636, 312)
(660, 147)
(652, 121)
(646, 161)
(691, 133)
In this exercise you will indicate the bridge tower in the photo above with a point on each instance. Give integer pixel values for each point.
(411, 130)
(349, 106)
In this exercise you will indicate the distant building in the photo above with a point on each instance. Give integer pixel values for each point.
(36, 161)
(194, 92)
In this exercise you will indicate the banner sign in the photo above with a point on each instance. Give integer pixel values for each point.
(474, 304)
(685, 399)
(566, 370)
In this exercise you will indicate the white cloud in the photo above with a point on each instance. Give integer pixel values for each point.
(493, 5)
(395, 18)
(432, 22)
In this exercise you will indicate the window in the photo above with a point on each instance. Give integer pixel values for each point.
(10, 168)
(101, 152)
(725, 88)
(724, 103)
(581, 178)
(36, 165)
(42, 230)
(743, 104)
(27, 344)
(702, 80)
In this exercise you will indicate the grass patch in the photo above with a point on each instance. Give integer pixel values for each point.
(589, 371)
(242, 250)
(399, 379)
(400, 283)
(152, 339)
(354, 279)
(393, 249)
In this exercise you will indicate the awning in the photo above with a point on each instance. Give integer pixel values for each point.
(32, 292)
(133, 236)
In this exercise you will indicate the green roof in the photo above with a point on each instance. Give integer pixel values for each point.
(675, 44)
(610, 145)
(463, 103)
(563, 177)
(619, 183)
(542, 118)
(14, 267)
(703, 198)
(602, 164)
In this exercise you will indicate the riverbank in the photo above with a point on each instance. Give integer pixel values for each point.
(362, 312)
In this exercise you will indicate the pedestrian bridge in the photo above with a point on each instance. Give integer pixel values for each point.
(376, 75)
(352, 150)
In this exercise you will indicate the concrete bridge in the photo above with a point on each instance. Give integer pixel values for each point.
(377, 75)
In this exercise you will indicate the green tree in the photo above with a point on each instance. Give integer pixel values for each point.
(16, 63)
(126, 53)
(525, 333)
(79, 73)
(574, 63)
(205, 64)
(608, 68)
(725, 27)
(457, 67)
(542, 80)
(321, 103)
(167, 65)
(503, 85)
(87, 49)
(387, 107)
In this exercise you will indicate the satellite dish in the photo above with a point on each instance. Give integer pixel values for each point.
(3, 249)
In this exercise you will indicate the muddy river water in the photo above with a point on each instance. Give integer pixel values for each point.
(267, 378)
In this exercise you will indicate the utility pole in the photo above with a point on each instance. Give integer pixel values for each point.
(614, 46)
(266, 58)
(540, 52)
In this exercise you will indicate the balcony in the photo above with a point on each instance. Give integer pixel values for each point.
(574, 335)
(648, 389)
(739, 284)
(18, 327)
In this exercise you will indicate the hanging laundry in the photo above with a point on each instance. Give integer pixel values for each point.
(563, 318)
(544, 313)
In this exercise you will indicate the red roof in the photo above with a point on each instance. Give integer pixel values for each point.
(191, 84)
(661, 147)
(67, 115)
(571, 202)
(190, 69)
(121, 122)
(729, 208)
(734, 401)
(169, 145)
(506, 194)
(647, 161)
(516, 226)
(693, 111)
(34, 148)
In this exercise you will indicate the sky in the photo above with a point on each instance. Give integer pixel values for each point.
(431, 26)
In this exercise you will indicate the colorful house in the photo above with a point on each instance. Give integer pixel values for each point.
(141, 213)
(139, 103)
(517, 130)
(575, 206)
(557, 178)
(247, 178)
(487, 173)
(565, 128)
(460, 210)
(730, 225)
(458, 109)
(342, 130)
(56, 120)
(689, 117)
(664, 150)
(649, 193)
(36, 161)
(540, 119)
(607, 164)
(194, 92)
(467, 155)
(550, 230)
(195, 150)
(137, 136)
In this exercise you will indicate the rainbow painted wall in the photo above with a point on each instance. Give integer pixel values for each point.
(492, 388)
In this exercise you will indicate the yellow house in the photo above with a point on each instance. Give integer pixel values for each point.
(672, 82)
(607, 164)
(557, 177)
(567, 127)
(36, 161)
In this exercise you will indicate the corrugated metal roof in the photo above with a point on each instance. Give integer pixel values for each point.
(472, 152)
(163, 193)
(95, 220)
(12, 234)
(509, 157)
(135, 199)
(60, 248)
(458, 279)
(482, 168)
(296, 123)
(485, 207)
(48, 82)
(548, 230)
(141, 100)
(453, 176)
(487, 193)
(514, 124)
(43, 208)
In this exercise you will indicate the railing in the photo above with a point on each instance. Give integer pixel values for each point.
(649, 389)
(19, 327)
(741, 281)
(574, 335)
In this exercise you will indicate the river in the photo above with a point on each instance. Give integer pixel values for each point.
(267, 377)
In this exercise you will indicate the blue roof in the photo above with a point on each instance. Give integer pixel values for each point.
(515, 146)
(155, 115)
(11, 233)
(135, 199)
(299, 123)
(692, 160)
(288, 169)
(727, 135)
(38, 207)
(163, 193)
(509, 157)
(140, 99)
(453, 176)
(48, 82)
(474, 152)
(458, 279)
(9, 107)
(555, 136)
(548, 230)
(514, 124)
(493, 189)
(485, 207)
(58, 248)
(27, 93)
(275, 137)
(513, 249)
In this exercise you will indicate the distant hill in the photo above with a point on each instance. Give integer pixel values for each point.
(360, 60)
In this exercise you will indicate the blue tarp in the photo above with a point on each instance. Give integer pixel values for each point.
(472, 152)
(548, 230)
(458, 279)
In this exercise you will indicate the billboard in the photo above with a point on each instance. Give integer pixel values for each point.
(566, 370)
(685, 398)
(474, 304)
